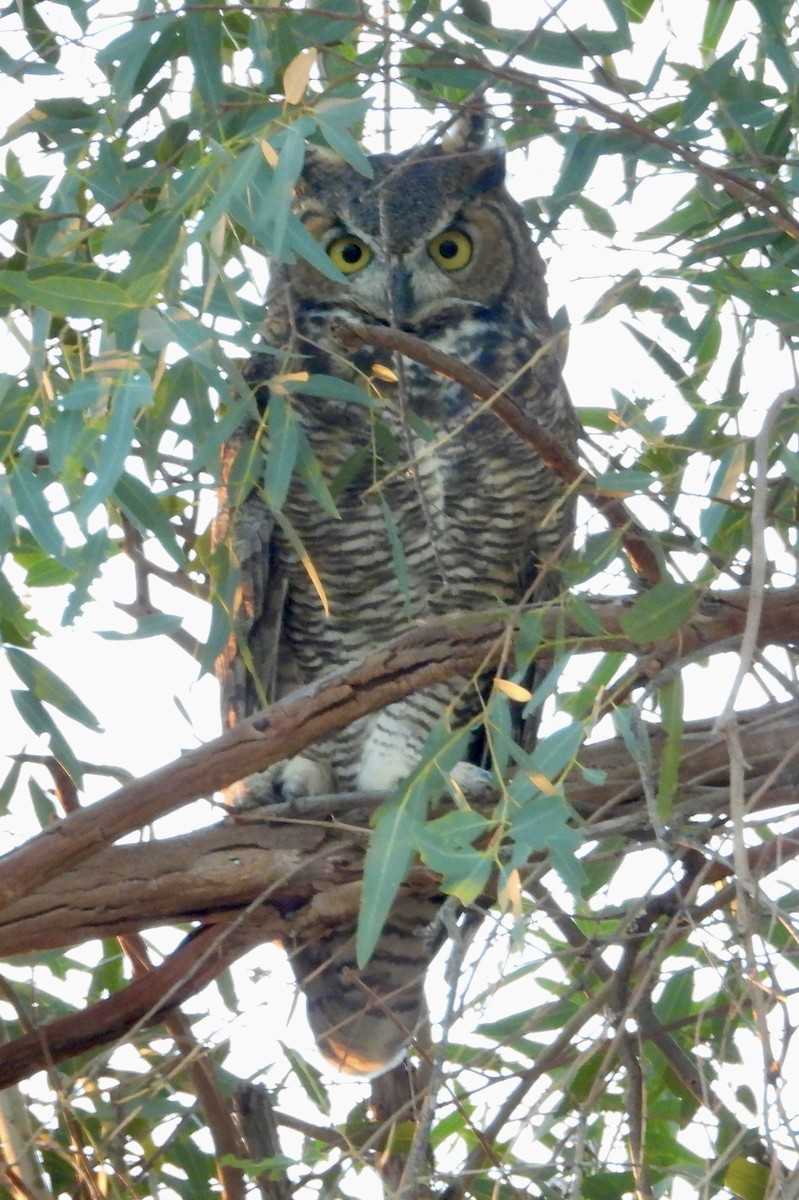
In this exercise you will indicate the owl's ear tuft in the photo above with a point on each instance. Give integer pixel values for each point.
(484, 170)
(469, 131)
(320, 167)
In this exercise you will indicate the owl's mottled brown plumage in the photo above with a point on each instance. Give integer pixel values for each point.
(433, 244)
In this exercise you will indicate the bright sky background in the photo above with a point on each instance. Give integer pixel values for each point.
(148, 696)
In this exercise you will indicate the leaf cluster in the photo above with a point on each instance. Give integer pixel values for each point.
(141, 201)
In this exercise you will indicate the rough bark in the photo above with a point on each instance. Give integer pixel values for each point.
(426, 655)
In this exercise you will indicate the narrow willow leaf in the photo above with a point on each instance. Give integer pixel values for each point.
(310, 1080)
(546, 825)
(27, 489)
(48, 687)
(301, 242)
(464, 871)
(143, 508)
(133, 393)
(659, 612)
(672, 701)
(328, 387)
(17, 627)
(154, 625)
(284, 443)
(302, 554)
(398, 559)
(204, 38)
(68, 295)
(554, 753)
(38, 719)
(311, 474)
(625, 483)
(388, 859)
(284, 179)
(342, 141)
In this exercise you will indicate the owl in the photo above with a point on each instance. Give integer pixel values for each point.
(439, 508)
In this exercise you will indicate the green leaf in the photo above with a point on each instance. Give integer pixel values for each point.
(37, 718)
(446, 846)
(329, 387)
(204, 43)
(311, 474)
(48, 687)
(658, 612)
(583, 148)
(717, 15)
(747, 1180)
(146, 627)
(17, 627)
(286, 174)
(310, 1080)
(388, 859)
(132, 394)
(283, 446)
(398, 559)
(8, 788)
(672, 702)
(398, 821)
(142, 508)
(27, 488)
(546, 825)
(626, 483)
(68, 295)
(638, 9)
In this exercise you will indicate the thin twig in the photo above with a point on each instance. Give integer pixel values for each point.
(549, 448)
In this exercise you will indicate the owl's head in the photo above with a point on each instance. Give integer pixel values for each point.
(433, 236)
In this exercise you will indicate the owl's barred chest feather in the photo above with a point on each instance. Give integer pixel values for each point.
(440, 508)
(422, 521)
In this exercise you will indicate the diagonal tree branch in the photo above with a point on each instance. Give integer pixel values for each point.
(432, 652)
(502, 404)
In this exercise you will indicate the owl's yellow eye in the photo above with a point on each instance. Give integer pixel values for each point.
(450, 250)
(349, 254)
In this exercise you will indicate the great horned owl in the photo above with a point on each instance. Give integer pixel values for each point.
(432, 244)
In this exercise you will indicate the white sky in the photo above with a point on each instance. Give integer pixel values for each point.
(137, 690)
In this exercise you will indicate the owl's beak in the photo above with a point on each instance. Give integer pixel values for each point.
(401, 300)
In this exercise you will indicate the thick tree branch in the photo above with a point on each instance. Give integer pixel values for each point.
(430, 653)
(304, 864)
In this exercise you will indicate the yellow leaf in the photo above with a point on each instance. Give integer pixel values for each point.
(313, 575)
(269, 152)
(297, 74)
(384, 373)
(510, 894)
(513, 690)
(276, 384)
(542, 783)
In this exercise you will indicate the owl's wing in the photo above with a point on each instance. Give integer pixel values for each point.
(255, 657)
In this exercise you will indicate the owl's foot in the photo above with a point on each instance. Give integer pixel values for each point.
(473, 784)
(293, 779)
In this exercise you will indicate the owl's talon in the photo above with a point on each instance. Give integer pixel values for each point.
(285, 782)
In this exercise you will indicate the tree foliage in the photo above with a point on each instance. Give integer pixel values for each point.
(594, 1037)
